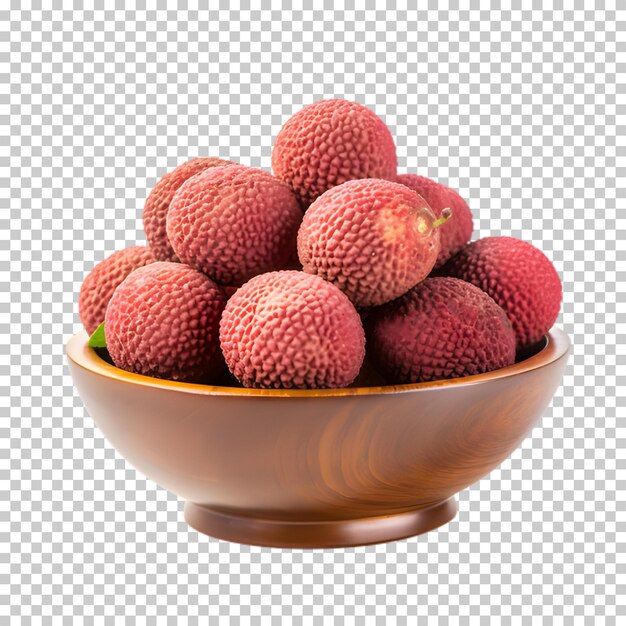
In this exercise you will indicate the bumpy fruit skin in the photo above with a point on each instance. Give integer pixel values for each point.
(372, 238)
(101, 282)
(457, 231)
(163, 321)
(158, 202)
(442, 328)
(233, 223)
(518, 276)
(289, 329)
(330, 142)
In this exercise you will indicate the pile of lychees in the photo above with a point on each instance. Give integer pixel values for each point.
(280, 278)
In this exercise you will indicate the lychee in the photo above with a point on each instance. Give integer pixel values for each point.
(442, 328)
(457, 231)
(101, 282)
(158, 202)
(233, 223)
(330, 142)
(374, 239)
(163, 321)
(289, 329)
(518, 276)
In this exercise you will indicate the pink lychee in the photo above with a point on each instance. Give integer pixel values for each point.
(101, 282)
(158, 202)
(233, 223)
(163, 321)
(442, 328)
(330, 142)
(518, 276)
(373, 238)
(289, 329)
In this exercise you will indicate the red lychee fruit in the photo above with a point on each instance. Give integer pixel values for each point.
(518, 276)
(457, 231)
(233, 223)
(289, 329)
(163, 321)
(442, 328)
(372, 238)
(101, 282)
(158, 202)
(330, 142)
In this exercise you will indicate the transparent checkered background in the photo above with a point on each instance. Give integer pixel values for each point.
(516, 109)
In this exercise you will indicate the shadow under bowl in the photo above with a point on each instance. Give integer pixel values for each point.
(318, 468)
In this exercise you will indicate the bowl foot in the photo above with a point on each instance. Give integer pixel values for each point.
(318, 534)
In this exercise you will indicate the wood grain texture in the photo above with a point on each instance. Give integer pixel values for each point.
(318, 458)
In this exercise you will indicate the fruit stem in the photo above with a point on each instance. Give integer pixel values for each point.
(445, 215)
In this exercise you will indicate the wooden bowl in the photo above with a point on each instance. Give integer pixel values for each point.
(318, 468)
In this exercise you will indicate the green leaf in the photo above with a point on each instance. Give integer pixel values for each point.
(98, 340)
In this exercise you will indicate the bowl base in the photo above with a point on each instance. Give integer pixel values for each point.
(318, 534)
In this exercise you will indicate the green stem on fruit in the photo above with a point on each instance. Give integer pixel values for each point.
(445, 215)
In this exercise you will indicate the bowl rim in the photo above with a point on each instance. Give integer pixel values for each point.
(557, 345)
